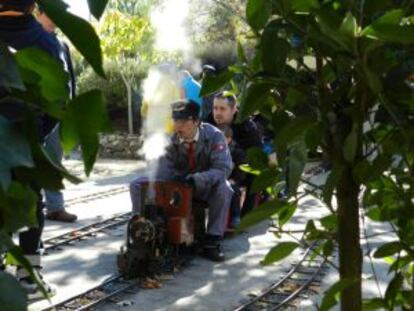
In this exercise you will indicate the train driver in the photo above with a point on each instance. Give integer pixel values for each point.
(198, 155)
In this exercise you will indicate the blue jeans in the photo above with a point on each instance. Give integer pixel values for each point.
(54, 199)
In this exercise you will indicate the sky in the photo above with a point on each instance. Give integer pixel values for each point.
(79, 7)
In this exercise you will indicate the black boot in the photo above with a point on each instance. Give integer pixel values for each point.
(212, 249)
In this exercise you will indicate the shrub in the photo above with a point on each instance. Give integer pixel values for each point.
(114, 87)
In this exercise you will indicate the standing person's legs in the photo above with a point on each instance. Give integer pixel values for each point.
(29, 240)
(54, 199)
(30, 243)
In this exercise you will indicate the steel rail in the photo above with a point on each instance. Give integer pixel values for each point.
(299, 290)
(96, 195)
(88, 230)
(66, 304)
(105, 298)
(286, 277)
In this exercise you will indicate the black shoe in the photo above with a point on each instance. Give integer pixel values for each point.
(213, 252)
(61, 215)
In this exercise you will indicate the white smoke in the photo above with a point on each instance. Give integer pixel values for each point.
(169, 22)
(160, 90)
(162, 86)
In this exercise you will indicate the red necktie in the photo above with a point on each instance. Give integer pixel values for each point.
(191, 156)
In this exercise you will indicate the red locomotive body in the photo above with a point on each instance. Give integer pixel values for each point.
(164, 229)
(175, 199)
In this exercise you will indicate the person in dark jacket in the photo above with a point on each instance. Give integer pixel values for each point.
(237, 176)
(54, 198)
(19, 29)
(245, 134)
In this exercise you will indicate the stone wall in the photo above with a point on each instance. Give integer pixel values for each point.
(120, 146)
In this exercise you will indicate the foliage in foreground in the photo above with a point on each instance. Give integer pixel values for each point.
(32, 76)
(338, 65)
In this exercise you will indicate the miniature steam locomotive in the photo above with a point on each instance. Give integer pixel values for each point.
(170, 223)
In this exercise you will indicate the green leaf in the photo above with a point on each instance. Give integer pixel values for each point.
(293, 131)
(328, 23)
(18, 206)
(373, 304)
(9, 72)
(394, 287)
(15, 255)
(258, 13)
(374, 214)
(295, 98)
(388, 28)
(14, 151)
(296, 164)
(399, 263)
(303, 6)
(314, 136)
(97, 7)
(374, 81)
(274, 51)
(262, 212)
(85, 118)
(52, 78)
(257, 159)
(47, 173)
(388, 249)
(365, 172)
(349, 26)
(79, 31)
(350, 146)
(280, 251)
(248, 169)
(266, 179)
(328, 248)
(13, 297)
(392, 17)
(329, 300)
(329, 222)
(286, 213)
(240, 52)
(330, 184)
(253, 98)
(311, 231)
(212, 83)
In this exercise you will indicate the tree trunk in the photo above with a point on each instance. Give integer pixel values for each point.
(350, 255)
(129, 95)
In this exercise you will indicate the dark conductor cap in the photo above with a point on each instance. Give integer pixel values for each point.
(185, 110)
(23, 6)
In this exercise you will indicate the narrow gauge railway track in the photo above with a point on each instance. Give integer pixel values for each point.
(85, 231)
(109, 291)
(96, 196)
(91, 229)
(291, 287)
(112, 287)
